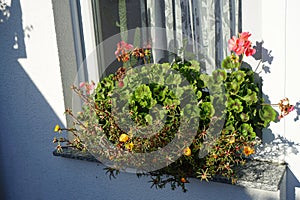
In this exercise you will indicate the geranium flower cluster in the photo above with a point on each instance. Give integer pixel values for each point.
(241, 44)
(125, 50)
(89, 88)
(122, 52)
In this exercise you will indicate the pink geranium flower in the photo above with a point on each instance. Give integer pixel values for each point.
(123, 47)
(244, 35)
(291, 108)
(126, 46)
(89, 88)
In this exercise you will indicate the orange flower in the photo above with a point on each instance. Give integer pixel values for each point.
(215, 156)
(123, 137)
(248, 150)
(183, 180)
(187, 151)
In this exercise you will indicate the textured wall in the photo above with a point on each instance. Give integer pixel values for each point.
(32, 103)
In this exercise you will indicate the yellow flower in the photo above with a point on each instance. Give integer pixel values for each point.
(231, 140)
(234, 58)
(129, 146)
(248, 150)
(233, 180)
(187, 151)
(123, 137)
(57, 128)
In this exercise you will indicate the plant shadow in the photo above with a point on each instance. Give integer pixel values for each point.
(264, 56)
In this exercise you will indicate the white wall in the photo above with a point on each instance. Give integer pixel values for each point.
(32, 103)
(278, 29)
(292, 127)
(277, 25)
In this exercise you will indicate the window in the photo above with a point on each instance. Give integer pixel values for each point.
(203, 27)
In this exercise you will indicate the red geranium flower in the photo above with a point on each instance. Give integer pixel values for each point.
(241, 45)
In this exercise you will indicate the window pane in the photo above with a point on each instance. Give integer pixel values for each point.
(203, 27)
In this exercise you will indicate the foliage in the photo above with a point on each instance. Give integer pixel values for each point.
(157, 105)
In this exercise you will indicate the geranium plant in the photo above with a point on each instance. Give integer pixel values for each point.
(244, 112)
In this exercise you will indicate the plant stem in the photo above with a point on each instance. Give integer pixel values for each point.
(268, 104)
(241, 61)
(258, 65)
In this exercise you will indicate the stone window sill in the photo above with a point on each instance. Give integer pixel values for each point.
(256, 174)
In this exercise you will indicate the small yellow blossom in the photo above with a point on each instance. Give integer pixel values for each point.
(231, 140)
(187, 151)
(129, 146)
(248, 150)
(57, 128)
(233, 181)
(123, 137)
(234, 58)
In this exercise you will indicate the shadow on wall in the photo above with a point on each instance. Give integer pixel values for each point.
(264, 61)
(291, 183)
(297, 108)
(26, 117)
(264, 56)
(12, 34)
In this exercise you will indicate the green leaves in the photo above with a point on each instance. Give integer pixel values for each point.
(247, 130)
(238, 76)
(267, 114)
(142, 92)
(234, 105)
(251, 97)
(123, 20)
(173, 79)
(244, 117)
(219, 75)
(206, 110)
(229, 63)
(156, 100)
(233, 87)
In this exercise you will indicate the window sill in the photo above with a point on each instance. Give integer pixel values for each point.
(255, 174)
